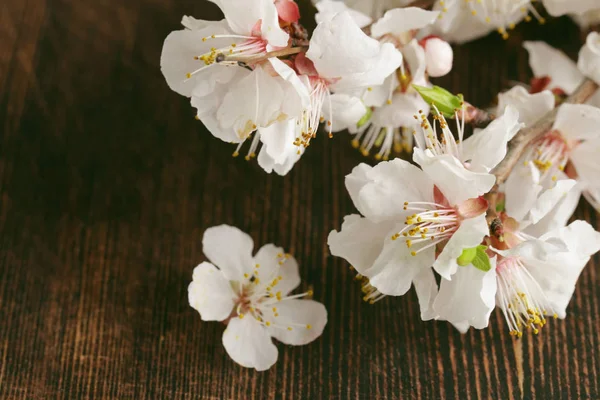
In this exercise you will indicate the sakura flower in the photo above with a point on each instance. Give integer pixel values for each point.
(408, 225)
(537, 277)
(468, 299)
(387, 124)
(340, 58)
(251, 295)
(570, 146)
(249, 29)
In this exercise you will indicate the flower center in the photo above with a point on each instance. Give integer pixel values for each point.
(312, 116)
(258, 297)
(443, 143)
(433, 224)
(239, 54)
(521, 298)
(550, 153)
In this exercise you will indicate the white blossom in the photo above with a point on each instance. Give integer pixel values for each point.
(251, 294)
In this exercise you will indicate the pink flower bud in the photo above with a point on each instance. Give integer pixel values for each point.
(438, 56)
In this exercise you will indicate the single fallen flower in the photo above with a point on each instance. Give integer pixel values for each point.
(251, 294)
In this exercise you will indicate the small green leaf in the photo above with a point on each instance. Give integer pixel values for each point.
(466, 257)
(445, 101)
(365, 118)
(500, 206)
(481, 260)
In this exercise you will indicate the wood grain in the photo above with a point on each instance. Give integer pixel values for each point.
(107, 183)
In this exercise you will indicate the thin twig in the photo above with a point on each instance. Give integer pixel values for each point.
(525, 136)
(288, 51)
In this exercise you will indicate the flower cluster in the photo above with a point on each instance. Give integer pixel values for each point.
(474, 222)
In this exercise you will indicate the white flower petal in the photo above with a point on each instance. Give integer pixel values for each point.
(249, 344)
(355, 181)
(230, 249)
(328, 9)
(469, 234)
(269, 257)
(469, 298)
(401, 112)
(561, 7)
(549, 199)
(579, 236)
(178, 52)
(558, 216)
(288, 74)
(585, 160)
(210, 293)
(589, 57)
(457, 23)
(307, 318)
(254, 101)
(400, 20)
(278, 140)
(359, 241)
(578, 121)
(416, 59)
(427, 290)
(545, 60)
(486, 148)
(452, 178)
(340, 50)
(518, 202)
(345, 111)
(243, 16)
(387, 186)
(395, 268)
(530, 107)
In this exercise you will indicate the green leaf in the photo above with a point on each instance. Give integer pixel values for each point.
(445, 101)
(365, 118)
(466, 257)
(481, 260)
(500, 206)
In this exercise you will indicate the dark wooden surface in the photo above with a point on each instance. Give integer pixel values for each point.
(107, 183)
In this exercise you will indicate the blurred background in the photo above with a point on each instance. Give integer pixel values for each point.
(107, 183)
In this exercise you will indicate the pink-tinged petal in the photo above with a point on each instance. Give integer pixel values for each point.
(427, 290)
(486, 148)
(548, 61)
(287, 10)
(469, 234)
(530, 107)
(210, 293)
(455, 181)
(561, 7)
(243, 17)
(230, 249)
(359, 241)
(472, 208)
(273, 263)
(469, 298)
(249, 344)
(400, 20)
(306, 318)
(589, 57)
(578, 121)
(341, 51)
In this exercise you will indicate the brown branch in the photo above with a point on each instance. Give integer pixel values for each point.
(288, 51)
(525, 136)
